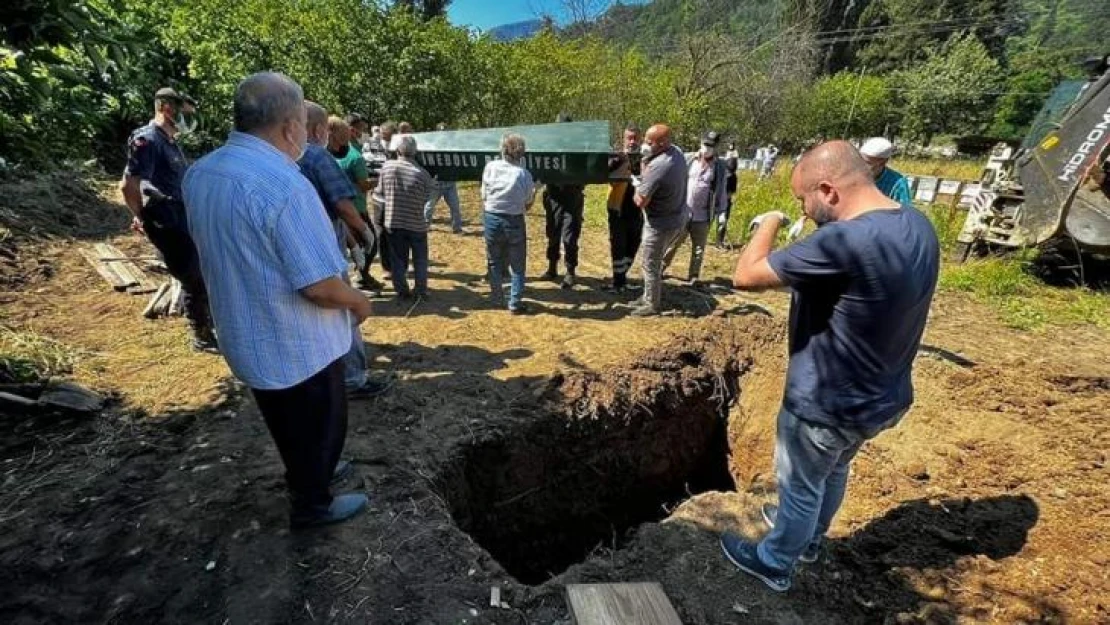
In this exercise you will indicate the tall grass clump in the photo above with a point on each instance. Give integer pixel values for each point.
(30, 357)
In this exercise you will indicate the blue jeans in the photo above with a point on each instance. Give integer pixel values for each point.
(811, 469)
(404, 244)
(354, 361)
(449, 191)
(506, 245)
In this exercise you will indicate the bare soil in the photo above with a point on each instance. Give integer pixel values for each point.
(573, 445)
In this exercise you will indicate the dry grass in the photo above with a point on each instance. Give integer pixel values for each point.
(957, 168)
(67, 321)
(72, 324)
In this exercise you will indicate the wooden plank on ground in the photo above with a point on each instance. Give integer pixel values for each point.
(127, 269)
(642, 603)
(106, 272)
(152, 309)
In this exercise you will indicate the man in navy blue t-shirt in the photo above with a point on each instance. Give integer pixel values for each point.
(862, 285)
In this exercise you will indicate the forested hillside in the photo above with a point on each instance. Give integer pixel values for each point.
(76, 75)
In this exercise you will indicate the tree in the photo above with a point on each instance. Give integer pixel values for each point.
(895, 34)
(950, 91)
(64, 64)
(427, 9)
(847, 105)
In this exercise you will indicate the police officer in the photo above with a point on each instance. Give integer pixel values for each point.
(562, 207)
(151, 188)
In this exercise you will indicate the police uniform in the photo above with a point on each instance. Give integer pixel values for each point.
(158, 161)
(562, 207)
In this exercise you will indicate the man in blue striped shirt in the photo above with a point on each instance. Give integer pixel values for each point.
(283, 313)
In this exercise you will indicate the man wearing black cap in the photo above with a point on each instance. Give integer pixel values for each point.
(562, 208)
(706, 197)
(151, 188)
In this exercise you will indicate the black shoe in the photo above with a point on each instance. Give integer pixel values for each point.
(370, 284)
(371, 389)
(206, 344)
(550, 275)
(568, 281)
(520, 309)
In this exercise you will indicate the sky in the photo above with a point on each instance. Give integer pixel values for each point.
(486, 14)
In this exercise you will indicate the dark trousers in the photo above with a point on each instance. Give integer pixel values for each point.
(371, 248)
(308, 422)
(166, 228)
(626, 226)
(406, 245)
(563, 216)
(722, 224)
(383, 250)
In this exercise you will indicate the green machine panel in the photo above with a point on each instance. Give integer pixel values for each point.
(560, 153)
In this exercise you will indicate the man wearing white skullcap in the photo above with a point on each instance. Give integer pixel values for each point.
(877, 151)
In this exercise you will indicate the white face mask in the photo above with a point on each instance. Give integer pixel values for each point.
(645, 150)
(299, 147)
(185, 123)
(707, 152)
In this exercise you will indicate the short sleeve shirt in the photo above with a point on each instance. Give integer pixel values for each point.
(664, 184)
(354, 166)
(327, 178)
(861, 295)
(506, 188)
(262, 237)
(156, 159)
(895, 186)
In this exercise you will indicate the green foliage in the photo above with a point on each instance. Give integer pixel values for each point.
(842, 105)
(948, 91)
(910, 28)
(76, 76)
(64, 66)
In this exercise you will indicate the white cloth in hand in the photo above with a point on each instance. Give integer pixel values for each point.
(796, 230)
(758, 219)
(635, 182)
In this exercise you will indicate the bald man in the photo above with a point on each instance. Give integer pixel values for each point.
(862, 285)
(661, 195)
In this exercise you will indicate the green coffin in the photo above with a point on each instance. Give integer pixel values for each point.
(560, 153)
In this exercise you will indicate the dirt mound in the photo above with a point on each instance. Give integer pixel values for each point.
(49, 206)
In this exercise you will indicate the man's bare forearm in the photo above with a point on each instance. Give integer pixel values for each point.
(132, 195)
(349, 214)
(759, 248)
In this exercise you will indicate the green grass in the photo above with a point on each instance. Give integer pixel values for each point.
(29, 357)
(1003, 283)
(1021, 300)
